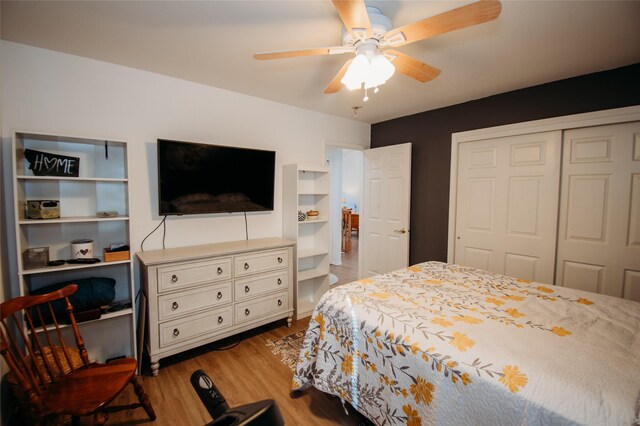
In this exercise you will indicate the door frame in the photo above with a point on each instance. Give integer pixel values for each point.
(597, 118)
(343, 145)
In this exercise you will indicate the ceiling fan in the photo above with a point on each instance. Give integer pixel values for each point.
(369, 35)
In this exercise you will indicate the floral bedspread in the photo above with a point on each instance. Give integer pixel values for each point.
(444, 344)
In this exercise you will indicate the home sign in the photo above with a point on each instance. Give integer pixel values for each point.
(48, 164)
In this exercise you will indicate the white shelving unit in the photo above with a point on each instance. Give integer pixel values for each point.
(306, 187)
(102, 185)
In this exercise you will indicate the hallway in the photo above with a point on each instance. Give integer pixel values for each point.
(348, 271)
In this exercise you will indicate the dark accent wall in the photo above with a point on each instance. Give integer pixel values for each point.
(430, 133)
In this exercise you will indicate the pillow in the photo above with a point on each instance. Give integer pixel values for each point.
(91, 294)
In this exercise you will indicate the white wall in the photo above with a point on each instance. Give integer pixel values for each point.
(352, 163)
(334, 156)
(49, 92)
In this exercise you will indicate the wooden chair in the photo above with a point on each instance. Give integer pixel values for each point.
(51, 378)
(355, 223)
(346, 230)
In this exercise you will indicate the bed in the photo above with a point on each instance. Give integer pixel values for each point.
(437, 343)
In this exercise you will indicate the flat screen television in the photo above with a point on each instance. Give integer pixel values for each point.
(195, 178)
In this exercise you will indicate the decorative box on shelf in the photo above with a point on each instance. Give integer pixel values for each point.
(112, 256)
(36, 257)
(43, 209)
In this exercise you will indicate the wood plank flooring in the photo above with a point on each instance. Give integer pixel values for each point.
(245, 373)
(348, 271)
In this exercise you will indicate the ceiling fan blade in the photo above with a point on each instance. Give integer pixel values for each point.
(462, 17)
(411, 67)
(304, 52)
(335, 84)
(354, 15)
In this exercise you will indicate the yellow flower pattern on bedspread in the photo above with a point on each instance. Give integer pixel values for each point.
(435, 343)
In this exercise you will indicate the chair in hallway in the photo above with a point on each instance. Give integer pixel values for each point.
(346, 230)
(355, 223)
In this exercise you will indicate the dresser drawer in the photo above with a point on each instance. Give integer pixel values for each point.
(188, 301)
(247, 288)
(204, 324)
(258, 309)
(190, 274)
(260, 262)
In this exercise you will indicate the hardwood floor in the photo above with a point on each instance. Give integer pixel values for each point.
(348, 271)
(245, 373)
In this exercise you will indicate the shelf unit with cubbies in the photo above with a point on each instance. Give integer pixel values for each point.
(306, 187)
(102, 185)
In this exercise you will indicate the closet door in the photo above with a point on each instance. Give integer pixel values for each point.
(507, 203)
(599, 223)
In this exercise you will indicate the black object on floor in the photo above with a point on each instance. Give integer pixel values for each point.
(261, 413)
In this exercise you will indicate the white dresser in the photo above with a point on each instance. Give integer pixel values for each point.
(199, 294)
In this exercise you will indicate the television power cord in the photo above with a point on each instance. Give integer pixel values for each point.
(164, 232)
(246, 227)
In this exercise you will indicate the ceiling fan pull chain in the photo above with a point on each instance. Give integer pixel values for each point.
(366, 97)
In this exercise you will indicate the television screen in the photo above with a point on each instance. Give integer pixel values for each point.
(196, 178)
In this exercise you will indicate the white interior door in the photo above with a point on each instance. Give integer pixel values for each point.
(384, 221)
(599, 231)
(507, 203)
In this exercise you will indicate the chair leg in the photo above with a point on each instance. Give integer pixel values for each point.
(100, 418)
(143, 398)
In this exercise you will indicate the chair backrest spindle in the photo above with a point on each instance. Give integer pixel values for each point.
(76, 332)
(33, 354)
(51, 344)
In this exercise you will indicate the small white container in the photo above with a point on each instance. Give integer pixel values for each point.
(82, 249)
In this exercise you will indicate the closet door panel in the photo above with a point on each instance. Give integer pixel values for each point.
(634, 219)
(517, 265)
(587, 207)
(506, 218)
(632, 285)
(599, 220)
(583, 276)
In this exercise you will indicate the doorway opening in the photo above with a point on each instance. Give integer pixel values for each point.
(346, 166)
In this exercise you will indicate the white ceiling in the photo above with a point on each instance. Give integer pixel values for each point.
(212, 42)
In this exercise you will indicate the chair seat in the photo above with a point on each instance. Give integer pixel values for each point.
(89, 388)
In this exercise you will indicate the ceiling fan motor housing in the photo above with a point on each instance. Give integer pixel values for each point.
(380, 25)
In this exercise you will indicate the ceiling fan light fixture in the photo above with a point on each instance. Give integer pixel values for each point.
(381, 68)
(353, 78)
(370, 70)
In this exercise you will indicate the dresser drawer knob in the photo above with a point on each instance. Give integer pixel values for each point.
(219, 296)
(246, 265)
(279, 281)
(219, 270)
(174, 306)
(247, 312)
(279, 302)
(246, 289)
(279, 260)
(220, 319)
(176, 331)
(174, 278)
